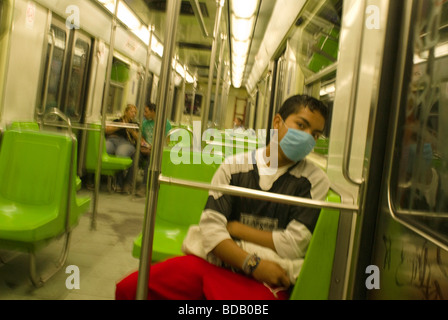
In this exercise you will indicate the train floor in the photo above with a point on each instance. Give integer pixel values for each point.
(102, 256)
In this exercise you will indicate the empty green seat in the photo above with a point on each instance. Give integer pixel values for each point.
(35, 194)
(34, 126)
(110, 164)
(177, 207)
(313, 282)
(24, 125)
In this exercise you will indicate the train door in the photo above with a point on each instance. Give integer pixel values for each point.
(65, 72)
(411, 237)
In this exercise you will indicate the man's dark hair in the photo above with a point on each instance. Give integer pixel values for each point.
(295, 103)
(151, 107)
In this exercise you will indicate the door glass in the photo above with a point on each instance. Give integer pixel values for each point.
(316, 44)
(76, 83)
(118, 81)
(55, 76)
(421, 167)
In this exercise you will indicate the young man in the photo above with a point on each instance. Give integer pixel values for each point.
(147, 141)
(232, 230)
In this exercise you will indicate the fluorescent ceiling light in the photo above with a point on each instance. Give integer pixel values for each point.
(240, 48)
(244, 8)
(242, 28)
(127, 17)
(239, 59)
(109, 4)
(180, 69)
(189, 78)
(156, 46)
(142, 33)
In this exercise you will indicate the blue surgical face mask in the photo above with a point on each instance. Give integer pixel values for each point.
(296, 144)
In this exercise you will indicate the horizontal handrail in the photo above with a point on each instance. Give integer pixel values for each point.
(87, 127)
(422, 213)
(257, 194)
(324, 72)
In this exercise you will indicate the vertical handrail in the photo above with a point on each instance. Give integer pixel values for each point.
(47, 78)
(205, 112)
(352, 107)
(172, 15)
(192, 102)
(142, 110)
(103, 117)
(218, 77)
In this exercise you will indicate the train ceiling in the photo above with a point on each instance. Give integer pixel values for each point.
(193, 48)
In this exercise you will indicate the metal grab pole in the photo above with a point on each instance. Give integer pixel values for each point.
(218, 77)
(141, 107)
(205, 112)
(172, 15)
(103, 118)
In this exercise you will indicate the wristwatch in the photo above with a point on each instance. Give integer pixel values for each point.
(250, 263)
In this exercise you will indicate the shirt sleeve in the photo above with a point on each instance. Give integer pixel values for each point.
(213, 222)
(213, 227)
(292, 242)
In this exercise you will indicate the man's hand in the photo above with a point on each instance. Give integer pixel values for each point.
(271, 273)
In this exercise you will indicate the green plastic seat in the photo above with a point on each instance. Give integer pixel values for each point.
(34, 171)
(313, 282)
(322, 146)
(110, 164)
(177, 207)
(24, 125)
(34, 126)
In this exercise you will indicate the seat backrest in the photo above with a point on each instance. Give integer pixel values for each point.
(183, 205)
(34, 167)
(313, 282)
(24, 125)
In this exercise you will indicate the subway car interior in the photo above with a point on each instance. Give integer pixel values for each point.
(75, 218)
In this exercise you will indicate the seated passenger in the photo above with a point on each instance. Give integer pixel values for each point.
(238, 125)
(121, 143)
(246, 248)
(147, 140)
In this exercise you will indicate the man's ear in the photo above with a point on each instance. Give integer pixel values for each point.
(277, 121)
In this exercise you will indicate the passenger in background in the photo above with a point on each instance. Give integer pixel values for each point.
(121, 142)
(246, 248)
(238, 125)
(147, 141)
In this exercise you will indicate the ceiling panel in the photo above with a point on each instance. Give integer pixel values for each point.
(193, 48)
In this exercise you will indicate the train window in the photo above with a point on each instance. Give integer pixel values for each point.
(315, 42)
(66, 69)
(77, 79)
(420, 175)
(118, 80)
(56, 52)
